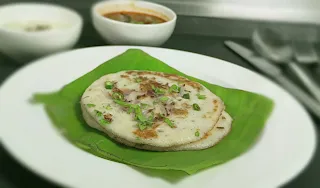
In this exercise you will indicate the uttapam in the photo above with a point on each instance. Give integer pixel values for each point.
(147, 109)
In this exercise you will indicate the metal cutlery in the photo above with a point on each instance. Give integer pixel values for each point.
(304, 53)
(273, 46)
(275, 72)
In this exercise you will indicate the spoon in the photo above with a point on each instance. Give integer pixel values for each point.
(277, 48)
(305, 53)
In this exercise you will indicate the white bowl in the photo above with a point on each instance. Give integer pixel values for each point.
(23, 46)
(116, 32)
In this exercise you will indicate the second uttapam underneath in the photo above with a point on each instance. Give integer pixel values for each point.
(152, 110)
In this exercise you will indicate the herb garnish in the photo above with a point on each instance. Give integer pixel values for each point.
(118, 96)
(139, 114)
(186, 96)
(143, 105)
(98, 113)
(131, 109)
(201, 96)
(104, 122)
(143, 121)
(142, 126)
(128, 105)
(196, 107)
(108, 85)
(91, 105)
(169, 122)
(164, 99)
(174, 88)
(197, 133)
(101, 118)
(122, 103)
(138, 80)
(151, 117)
(108, 107)
(158, 91)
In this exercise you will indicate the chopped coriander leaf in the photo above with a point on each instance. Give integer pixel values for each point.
(104, 122)
(118, 96)
(158, 91)
(131, 109)
(98, 113)
(155, 102)
(142, 126)
(108, 107)
(141, 117)
(91, 105)
(139, 114)
(148, 123)
(164, 99)
(201, 96)
(196, 107)
(143, 105)
(138, 110)
(161, 91)
(125, 104)
(138, 80)
(151, 117)
(186, 96)
(137, 138)
(197, 133)
(174, 88)
(169, 122)
(108, 85)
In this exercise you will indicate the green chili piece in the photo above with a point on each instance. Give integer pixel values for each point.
(186, 96)
(201, 96)
(108, 85)
(174, 88)
(118, 96)
(91, 105)
(196, 107)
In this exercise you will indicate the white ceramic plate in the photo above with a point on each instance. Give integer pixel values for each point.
(285, 148)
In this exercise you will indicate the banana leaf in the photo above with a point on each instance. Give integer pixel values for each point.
(249, 111)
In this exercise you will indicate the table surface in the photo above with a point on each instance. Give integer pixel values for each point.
(14, 175)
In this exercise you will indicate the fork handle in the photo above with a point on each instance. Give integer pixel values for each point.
(306, 79)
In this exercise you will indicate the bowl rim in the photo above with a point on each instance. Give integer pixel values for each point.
(78, 21)
(94, 13)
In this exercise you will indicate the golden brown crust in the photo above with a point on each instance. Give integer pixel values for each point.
(178, 111)
(169, 76)
(146, 134)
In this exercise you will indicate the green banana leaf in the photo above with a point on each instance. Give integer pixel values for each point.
(250, 112)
